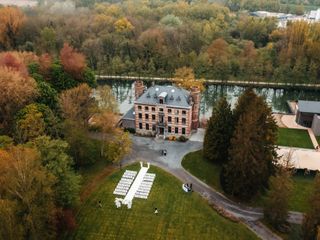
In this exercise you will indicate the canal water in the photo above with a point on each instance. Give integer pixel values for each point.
(123, 90)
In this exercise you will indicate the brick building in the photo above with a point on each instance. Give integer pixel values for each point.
(163, 111)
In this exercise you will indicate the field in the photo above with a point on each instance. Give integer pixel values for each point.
(209, 173)
(294, 138)
(181, 215)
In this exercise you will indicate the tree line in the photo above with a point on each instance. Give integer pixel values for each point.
(154, 38)
(48, 109)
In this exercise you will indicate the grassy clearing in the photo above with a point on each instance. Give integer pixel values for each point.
(181, 215)
(209, 173)
(294, 138)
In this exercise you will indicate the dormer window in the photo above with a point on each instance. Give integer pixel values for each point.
(161, 100)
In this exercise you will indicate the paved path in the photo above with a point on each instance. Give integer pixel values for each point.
(148, 149)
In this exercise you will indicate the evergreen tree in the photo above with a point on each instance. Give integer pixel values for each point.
(312, 218)
(218, 133)
(252, 151)
(276, 207)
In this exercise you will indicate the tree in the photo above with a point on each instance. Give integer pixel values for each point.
(184, 77)
(11, 21)
(219, 55)
(16, 92)
(118, 146)
(312, 217)
(84, 150)
(29, 185)
(77, 104)
(10, 226)
(47, 95)
(29, 124)
(253, 152)
(171, 20)
(73, 62)
(218, 133)
(5, 141)
(277, 203)
(15, 63)
(48, 39)
(106, 99)
(54, 157)
(107, 122)
(123, 25)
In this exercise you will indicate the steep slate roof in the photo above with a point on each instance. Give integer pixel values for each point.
(309, 106)
(176, 97)
(129, 115)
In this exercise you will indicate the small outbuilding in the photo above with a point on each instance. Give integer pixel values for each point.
(308, 113)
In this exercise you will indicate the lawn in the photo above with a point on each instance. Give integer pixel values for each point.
(209, 173)
(181, 215)
(294, 138)
(318, 140)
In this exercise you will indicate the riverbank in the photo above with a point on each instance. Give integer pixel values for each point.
(218, 82)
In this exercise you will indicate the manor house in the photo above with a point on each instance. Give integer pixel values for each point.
(163, 111)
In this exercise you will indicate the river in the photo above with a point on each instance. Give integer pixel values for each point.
(277, 98)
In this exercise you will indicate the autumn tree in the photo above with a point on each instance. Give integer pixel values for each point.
(30, 124)
(106, 99)
(11, 21)
(35, 120)
(17, 91)
(77, 104)
(73, 62)
(14, 63)
(184, 77)
(25, 181)
(123, 25)
(10, 227)
(277, 203)
(312, 217)
(218, 133)
(118, 146)
(219, 54)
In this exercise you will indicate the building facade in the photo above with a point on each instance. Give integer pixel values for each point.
(164, 111)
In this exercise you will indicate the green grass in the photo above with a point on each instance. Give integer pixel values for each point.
(181, 215)
(294, 138)
(318, 140)
(204, 170)
(209, 173)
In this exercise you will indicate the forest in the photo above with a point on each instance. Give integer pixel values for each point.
(154, 38)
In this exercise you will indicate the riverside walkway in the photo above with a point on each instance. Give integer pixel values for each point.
(218, 82)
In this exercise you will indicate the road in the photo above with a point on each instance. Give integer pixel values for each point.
(148, 149)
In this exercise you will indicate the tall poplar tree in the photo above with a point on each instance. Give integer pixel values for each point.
(277, 204)
(218, 133)
(312, 218)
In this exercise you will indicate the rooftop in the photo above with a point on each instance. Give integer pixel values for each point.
(173, 95)
(309, 106)
(129, 115)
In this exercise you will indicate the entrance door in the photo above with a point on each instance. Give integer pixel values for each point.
(161, 130)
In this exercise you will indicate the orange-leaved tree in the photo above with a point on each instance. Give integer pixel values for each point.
(11, 20)
(73, 62)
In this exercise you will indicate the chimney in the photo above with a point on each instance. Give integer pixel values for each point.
(196, 98)
(138, 89)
